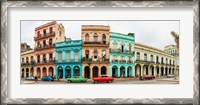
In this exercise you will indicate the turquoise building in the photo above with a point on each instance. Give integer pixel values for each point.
(68, 58)
(121, 54)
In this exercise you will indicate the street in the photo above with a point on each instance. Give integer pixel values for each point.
(123, 81)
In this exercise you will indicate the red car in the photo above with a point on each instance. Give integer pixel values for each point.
(146, 77)
(103, 78)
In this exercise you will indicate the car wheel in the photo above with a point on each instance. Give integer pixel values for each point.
(95, 81)
(109, 82)
(69, 81)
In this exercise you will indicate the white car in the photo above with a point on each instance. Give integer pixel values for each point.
(30, 78)
(170, 76)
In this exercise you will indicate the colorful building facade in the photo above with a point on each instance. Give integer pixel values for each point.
(95, 52)
(68, 59)
(121, 54)
(46, 36)
(27, 63)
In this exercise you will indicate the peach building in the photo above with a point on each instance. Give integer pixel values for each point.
(45, 38)
(95, 50)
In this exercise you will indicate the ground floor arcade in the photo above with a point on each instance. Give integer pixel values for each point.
(27, 71)
(44, 70)
(122, 70)
(68, 70)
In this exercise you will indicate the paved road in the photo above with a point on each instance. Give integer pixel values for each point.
(155, 81)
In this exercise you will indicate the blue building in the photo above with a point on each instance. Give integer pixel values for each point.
(68, 58)
(121, 54)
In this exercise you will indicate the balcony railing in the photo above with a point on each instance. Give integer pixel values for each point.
(28, 63)
(123, 61)
(45, 61)
(44, 35)
(120, 51)
(144, 61)
(96, 42)
(68, 60)
(95, 60)
(114, 60)
(44, 47)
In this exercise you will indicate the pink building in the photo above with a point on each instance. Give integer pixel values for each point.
(45, 37)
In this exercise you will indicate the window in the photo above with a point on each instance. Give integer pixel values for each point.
(129, 48)
(87, 54)
(152, 58)
(95, 37)
(145, 57)
(26, 59)
(50, 42)
(122, 47)
(122, 59)
(115, 58)
(157, 59)
(22, 60)
(104, 39)
(76, 56)
(31, 58)
(166, 61)
(129, 59)
(59, 57)
(67, 56)
(87, 37)
(50, 57)
(138, 56)
(51, 30)
(173, 62)
(162, 60)
(44, 43)
(44, 58)
(38, 58)
(170, 61)
(44, 32)
(95, 54)
(104, 54)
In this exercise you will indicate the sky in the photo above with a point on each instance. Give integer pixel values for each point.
(153, 33)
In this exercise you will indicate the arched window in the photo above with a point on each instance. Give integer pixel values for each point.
(87, 37)
(138, 56)
(51, 30)
(104, 38)
(44, 43)
(95, 37)
(162, 60)
(166, 61)
(68, 56)
(31, 58)
(170, 61)
(38, 58)
(151, 57)
(44, 58)
(114, 45)
(38, 44)
(50, 42)
(173, 62)
(76, 56)
(145, 57)
(157, 59)
(50, 57)
(129, 48)
(44, 32)
(122, 47)
(95, 54)
(27, 60)
(87, 52)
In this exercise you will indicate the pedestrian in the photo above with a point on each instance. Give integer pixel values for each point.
(35, 79)
(58, 78)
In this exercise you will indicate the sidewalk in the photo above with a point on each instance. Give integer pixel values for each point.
(167, 79)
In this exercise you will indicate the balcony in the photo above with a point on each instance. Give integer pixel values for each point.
(27, 63)
(119, 51)
(144, 61)
(69, 61)
(114, 60)
(45, 62)
(122, 61)
(44, 47)
(95, 60)
(42, 36)
(129, 61)
(95, 43)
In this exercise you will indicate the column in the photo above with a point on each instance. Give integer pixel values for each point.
(72, 72)
(91, 72)
(149, 71)
(141, 70)
(24, 73)
(41, 73)
(47, 71)
(126, 71)
(118, 69)
(155, 71)
(64, 72)
(56, 70)
(29, 74)
(111, 71)
(99, 71)
(159, 71)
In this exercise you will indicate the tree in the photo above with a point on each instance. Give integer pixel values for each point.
(176, 39)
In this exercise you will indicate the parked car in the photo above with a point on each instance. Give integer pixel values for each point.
(170, 76)
(147, 77)
(31, 78)
(103, 78)
(48, 78)
(77, 79)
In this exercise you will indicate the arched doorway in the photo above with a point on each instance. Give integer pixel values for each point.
(138, 70)
(157, 71)
(22, 73)
(95, 71)
(60, 72)
(166, 69)
(27, 72)
(162, 71)
(145, 70)
(44, 71)
(152, 70)
(31, 73)
(68, 72)
(170, 72)
(76, 71)
(129, 71)
(122, 71)
(114, 71)
(87, 72)
(38, 73)
(51, 71)
(103, 70)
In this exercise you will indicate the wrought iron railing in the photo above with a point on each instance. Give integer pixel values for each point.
(44, 35)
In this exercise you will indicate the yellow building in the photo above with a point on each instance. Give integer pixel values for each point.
(95, 50)
(153, 61)
(27, 63)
